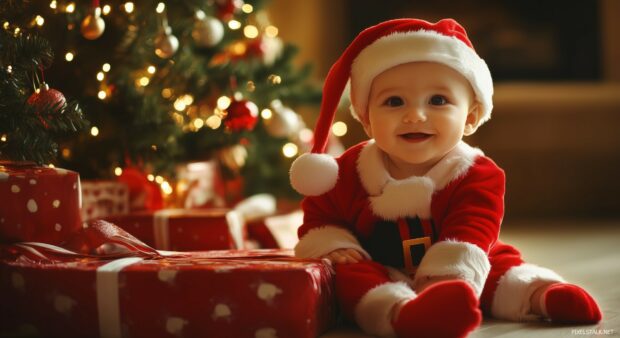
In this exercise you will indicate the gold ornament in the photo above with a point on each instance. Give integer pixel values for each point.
(93, 25)
(166, 44)
(233, 157)
(284, 122)
(207, 31)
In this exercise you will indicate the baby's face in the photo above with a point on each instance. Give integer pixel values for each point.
(419, 111)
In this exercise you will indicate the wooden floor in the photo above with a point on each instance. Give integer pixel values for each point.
(583, 252)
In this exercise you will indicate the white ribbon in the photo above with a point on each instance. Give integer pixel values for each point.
(107, 296)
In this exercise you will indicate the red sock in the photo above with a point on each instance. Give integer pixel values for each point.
(568, 303)
(445, 309)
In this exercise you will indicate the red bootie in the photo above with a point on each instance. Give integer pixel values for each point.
(568, 303)
(446, 309)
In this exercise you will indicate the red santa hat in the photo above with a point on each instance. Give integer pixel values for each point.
(374, 50)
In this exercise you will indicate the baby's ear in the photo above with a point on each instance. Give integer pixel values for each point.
(473, 118)
(365, 121)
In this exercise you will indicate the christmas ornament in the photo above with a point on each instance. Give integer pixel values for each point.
(227, 8)
(233, 157)
(45, 98)
(242, 115)
(93, 25)
(166, 44)
(284, 122)
(208, 31)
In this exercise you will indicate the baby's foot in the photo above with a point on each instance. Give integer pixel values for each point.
(568, 303)
(445, 309)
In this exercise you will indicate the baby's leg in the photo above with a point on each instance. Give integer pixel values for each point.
(383, 307)
(368, 296)
(519, 291)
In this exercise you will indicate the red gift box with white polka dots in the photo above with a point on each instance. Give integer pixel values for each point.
(38, 203)
(252, 293)
(185, 229)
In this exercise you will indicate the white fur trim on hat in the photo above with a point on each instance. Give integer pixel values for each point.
(515, 288)
(320, 241)
(374, 311)
(415, 46)
(458, 259)
(314, 174)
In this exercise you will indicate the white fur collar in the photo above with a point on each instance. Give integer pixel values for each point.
(391, 199)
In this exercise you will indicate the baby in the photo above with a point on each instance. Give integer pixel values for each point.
(411, 217)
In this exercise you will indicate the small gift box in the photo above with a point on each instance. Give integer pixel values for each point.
(185, 229)
(38, 203)
(135, 291)
(102, 199)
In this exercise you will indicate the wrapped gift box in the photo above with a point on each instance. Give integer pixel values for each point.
(102, 199)
(38, 203)
(184, 229)
(261, 293)
(277, 231)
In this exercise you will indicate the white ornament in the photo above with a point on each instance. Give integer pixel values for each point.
(208, 31)
(32, 206)
(15, 188)
(268, 291)
(221, 311)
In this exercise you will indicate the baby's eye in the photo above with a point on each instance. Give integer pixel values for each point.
(438, 100)
(394, 101)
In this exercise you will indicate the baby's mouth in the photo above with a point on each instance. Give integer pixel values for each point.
(415, 137)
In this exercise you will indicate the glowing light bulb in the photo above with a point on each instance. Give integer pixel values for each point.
(247, 8)
(339, 128)
(106, 9)
(69, 56)
(271, 31)
(250, 31)
(102, 95)
(100, 76)
(94, 131)
(106, 67)
(223, 102)
(129, 7)
(234, 24)
(118, 171)
(39, 20)
(289, 150)
(160, 7)
(213, 122)
(266, 113)
(70, 8)
(151, 69)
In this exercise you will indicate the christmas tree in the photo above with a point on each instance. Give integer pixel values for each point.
(167, 83)
(32, 115)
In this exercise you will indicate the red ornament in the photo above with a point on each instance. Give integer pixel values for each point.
(227, 8)
(43, 98)
(241, 115)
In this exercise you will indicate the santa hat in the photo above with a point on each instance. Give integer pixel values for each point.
(374, 50)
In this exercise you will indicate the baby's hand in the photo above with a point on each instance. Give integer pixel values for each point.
(342, 256)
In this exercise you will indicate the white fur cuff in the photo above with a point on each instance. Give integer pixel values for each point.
(374, 311)
(459, 259)
(321, 241)
(515, 288)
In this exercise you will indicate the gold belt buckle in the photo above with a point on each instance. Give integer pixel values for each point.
(409, 267)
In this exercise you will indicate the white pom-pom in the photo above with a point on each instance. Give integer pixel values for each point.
(314, 174)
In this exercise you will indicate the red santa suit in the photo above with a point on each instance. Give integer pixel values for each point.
(445, 223)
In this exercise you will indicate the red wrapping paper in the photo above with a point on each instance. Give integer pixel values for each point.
(104, 199)
(185, 229)
(261, 293)
(38, 203)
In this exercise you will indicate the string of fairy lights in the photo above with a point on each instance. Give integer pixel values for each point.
(187, 114)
